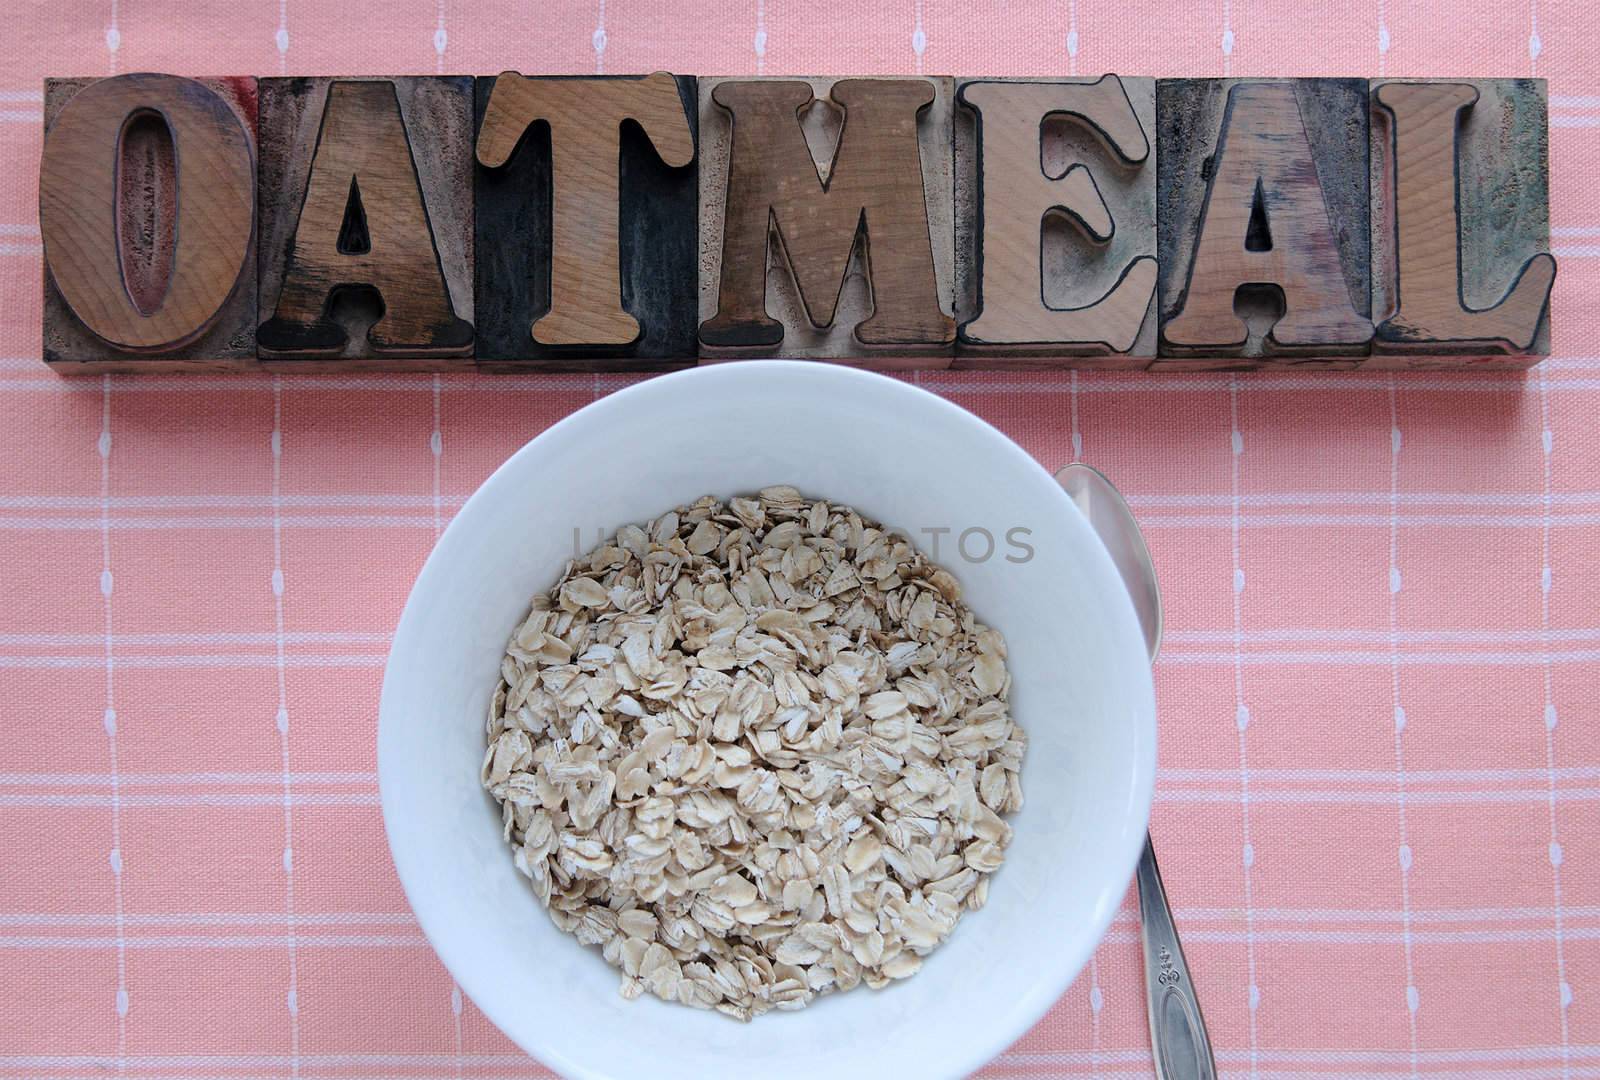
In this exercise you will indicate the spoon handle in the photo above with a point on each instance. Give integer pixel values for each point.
(1177, 1031)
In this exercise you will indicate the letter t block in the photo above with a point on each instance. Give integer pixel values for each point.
(586, 196)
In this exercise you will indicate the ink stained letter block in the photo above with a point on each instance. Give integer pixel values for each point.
(1263, 220)
(147, 213)
(826, 218)
(366, 219)
(586, 225)
(1056, 221)
(1461, 220)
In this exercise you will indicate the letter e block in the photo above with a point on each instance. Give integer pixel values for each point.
(1056, 222)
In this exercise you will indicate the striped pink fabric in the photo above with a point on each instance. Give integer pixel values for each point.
(1379, 798)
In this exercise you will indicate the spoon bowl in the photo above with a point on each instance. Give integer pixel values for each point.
(1108, 512)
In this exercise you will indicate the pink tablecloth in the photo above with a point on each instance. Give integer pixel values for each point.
(1379, 798)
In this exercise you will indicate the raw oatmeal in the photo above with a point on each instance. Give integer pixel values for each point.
(756, 750)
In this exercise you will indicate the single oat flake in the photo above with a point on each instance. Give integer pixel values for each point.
(755, 751)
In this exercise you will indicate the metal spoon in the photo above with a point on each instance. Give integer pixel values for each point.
(1177, 1030)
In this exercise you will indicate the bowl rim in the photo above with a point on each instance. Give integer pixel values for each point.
(442, 933)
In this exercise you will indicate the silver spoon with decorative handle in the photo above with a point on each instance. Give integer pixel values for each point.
(1177, 1030)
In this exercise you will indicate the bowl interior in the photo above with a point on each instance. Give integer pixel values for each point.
(1081, 689)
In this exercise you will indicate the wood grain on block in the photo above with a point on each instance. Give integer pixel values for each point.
(147, 213)
(1056, 222)
(1263, 220)
(366, 217)
(826, 218)
(586, 224)
(1461, 220)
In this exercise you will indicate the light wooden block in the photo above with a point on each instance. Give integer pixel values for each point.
(1056, 222)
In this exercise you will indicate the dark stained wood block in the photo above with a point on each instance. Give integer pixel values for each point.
(1056, 223)
(366, 222)
(1460, 222)
(586, 192)
(1263, 222)
(146, 209)
(826, 219)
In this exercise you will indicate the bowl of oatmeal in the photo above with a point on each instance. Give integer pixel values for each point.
(769, 716)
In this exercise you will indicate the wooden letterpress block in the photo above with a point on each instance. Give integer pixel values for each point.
(1461, 261)
(366, 221)
(826, 219)
(1056, 222)
(147, 212)
(586, 224)
(1263, 217)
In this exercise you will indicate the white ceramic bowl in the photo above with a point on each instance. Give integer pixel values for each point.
(1081, 688)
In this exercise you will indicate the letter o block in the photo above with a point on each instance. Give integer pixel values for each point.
(147, 215)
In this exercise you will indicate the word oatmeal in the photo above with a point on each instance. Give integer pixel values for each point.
(756, 751)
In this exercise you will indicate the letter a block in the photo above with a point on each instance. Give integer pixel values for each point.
(366, 221)
(826, 219)
(1056, 222)
(586, 196)
(1263, 221)
(146, 209)
(1460, 222)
